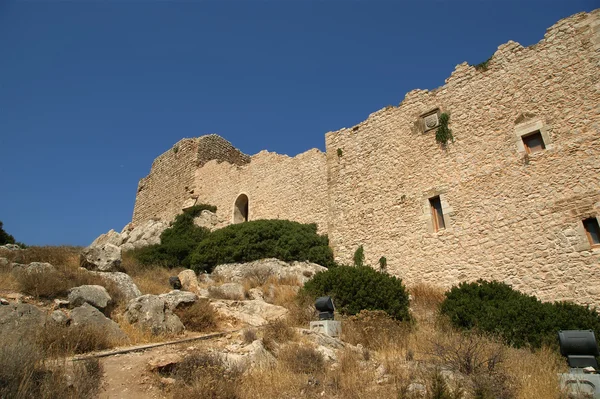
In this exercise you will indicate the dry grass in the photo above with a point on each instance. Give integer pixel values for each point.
(375, 330)
(149, 279)
(25, 373)
(60, 256)
(137, 335)
(57, 340)
(301, 359)
(276, 333)
(199, 317)
(204, 375)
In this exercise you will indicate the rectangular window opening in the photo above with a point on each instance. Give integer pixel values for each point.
(437, 213)
(592, 230)
(533, 142)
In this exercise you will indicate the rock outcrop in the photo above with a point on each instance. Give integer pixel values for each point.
(95, 295)
(255, 313)
(103, 258)
(20, 319)
(123, 282)
(88, 316)
(262, 269)
(151, 313)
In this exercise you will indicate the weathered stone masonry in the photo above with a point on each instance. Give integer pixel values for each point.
(509, 215)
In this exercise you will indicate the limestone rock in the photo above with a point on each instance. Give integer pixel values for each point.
(262, 269)
(11, 247)
(256, 294)
(112, 237)
(95, 295)
(60, 317)
(255, 313)
(61, 303)
(87, 315)
(103, 258)
(4, 262)
(206, 219)
(176, 299)
(4, 302)
(20, 319)
(233, 291)
(148, 233)
(189, 281)
(123, 282)
(151, 313)
(164, 363)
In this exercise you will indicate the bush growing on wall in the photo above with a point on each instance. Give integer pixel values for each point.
(520, 319)
(244, 242)
(357, 288)
(177, 242)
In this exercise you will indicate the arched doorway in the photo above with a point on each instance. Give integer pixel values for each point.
(240, 209)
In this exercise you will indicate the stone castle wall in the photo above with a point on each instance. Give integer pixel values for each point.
(277, 186)
(509, 216)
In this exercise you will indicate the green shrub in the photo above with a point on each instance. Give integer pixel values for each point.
(356, 288)
(443, 132)
(177, 242)
(259, 239)
(519, 319)
(5, 238)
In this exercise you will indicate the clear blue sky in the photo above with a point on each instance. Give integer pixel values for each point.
(92, 91)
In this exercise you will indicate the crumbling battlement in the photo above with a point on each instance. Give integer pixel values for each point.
(509, 210)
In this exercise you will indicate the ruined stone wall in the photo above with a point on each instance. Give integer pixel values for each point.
(171, 182)
(510, 217)
(277, 186)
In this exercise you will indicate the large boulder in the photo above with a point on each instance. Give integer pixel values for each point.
(178, 299)
(95, 295)
(20, 320)
(189, 280)
(148, 233)
(112, 237)
(262, 269)
(151, 313)
(123, 282)
(103, 258)
(87, 315)
(255, 313)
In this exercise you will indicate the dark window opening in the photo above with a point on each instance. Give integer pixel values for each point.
(240, 209)
(437, 213)
(592, 230)
(534, 142)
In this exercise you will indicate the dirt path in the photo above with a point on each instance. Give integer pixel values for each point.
(126, 376)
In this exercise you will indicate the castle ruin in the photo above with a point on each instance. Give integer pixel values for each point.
(515, 197)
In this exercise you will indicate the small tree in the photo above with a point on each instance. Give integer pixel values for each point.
(443, 133)
(5, 238)
(359, 257)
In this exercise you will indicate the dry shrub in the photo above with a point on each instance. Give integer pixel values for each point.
(301, 359)
(257, 277)
(426, 300)
(8, 281)
(438, 387)
(60, 256)
(277, 332)
(535, 374)
(203, 375)
(349, 380)
(44, 284)
(375, 329)
(24, 373)
(199, 316)
(58, 340)
(277, 383)
(301, 311)
(478, 357)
